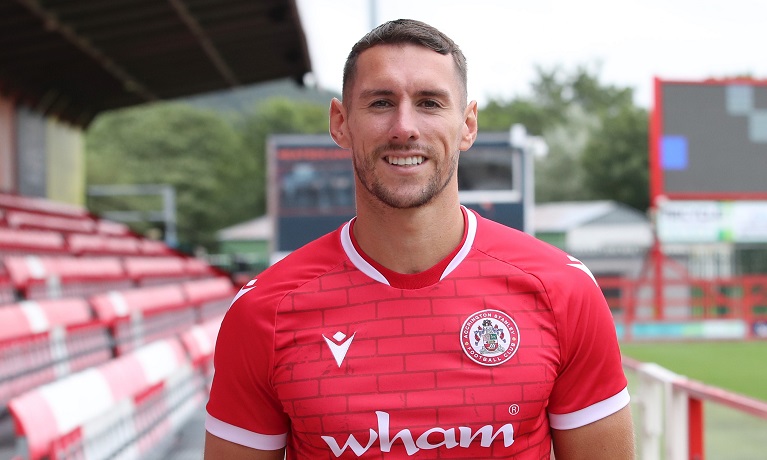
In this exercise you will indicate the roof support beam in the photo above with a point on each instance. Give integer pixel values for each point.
(52, 23)
(205, 42)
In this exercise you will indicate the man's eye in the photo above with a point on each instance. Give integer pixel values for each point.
(430, 104)
(380, 103)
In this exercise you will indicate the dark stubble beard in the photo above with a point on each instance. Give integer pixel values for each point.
(387, 196)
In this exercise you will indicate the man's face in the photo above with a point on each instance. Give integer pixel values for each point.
(406, 124)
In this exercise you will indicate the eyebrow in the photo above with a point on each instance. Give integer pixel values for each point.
(435, 93)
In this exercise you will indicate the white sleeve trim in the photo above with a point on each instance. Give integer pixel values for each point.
(244, 437)
(590, 414)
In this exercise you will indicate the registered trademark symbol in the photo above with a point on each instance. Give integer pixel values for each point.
(514, 409)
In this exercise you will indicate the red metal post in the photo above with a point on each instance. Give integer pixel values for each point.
(695, 427)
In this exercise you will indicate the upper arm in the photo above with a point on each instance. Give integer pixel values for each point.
(611, 438)
(220, 449)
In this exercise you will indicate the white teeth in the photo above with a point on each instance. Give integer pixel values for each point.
(406, 161)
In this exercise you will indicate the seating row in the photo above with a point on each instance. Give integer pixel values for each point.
(127, 407)
(40, 205)
(38, 213)
(45, 277)
(42, 341)
(28, 241)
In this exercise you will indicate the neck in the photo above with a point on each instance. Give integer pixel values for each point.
(409, 240)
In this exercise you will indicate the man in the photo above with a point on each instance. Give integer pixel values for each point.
(418, 329)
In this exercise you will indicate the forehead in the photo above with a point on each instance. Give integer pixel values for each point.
(405, 67)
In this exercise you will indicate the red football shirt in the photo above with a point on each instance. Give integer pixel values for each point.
(322, 355)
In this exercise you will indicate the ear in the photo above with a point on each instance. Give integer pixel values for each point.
(339, 130)
(469, 130)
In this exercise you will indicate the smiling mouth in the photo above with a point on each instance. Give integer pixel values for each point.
(405, 161)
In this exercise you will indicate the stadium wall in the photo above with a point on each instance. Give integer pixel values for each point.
(7, 148)
(65, 181)
(40, 156)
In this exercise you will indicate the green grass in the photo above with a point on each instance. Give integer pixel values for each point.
(740, 367)
(736, 366)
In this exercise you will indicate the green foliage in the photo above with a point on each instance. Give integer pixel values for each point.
(597, 138)
(618, 169)
(500, 116)
(215, 161)
(559, 176)
(275, 116)
(190, 149)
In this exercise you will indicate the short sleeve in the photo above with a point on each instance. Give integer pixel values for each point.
(243, 407)
(590, 384)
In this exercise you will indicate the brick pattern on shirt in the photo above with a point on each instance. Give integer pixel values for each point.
(406, 358)
(405, 367)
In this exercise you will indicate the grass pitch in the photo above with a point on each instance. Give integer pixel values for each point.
(740, 367)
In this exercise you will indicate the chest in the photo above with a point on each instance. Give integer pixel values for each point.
(479, 349)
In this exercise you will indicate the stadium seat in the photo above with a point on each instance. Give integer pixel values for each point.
(200, 342)
(140, 315)
(30, 220)
(38, 277)
(126, 408)
(148, 271)
(198, 268)
(154, 248)
(19, 241)
(45, 340)
(210, 297)
(108, 227)
(82, 244)
(40, 205)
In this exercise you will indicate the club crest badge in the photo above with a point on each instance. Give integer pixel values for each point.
(489, 337)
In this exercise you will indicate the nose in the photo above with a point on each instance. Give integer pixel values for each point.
(404, 126)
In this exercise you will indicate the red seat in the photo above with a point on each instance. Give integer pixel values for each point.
(39, 277)
(112, 408)
(200, 343)
(45, 340)
(140, 315)
(210, 296)
(154, 248)
(31, 220)
(40, 205)
(156, 270)
(18, 241)
(100, 244)
(108, 227)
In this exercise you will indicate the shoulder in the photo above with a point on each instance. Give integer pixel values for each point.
(516, 247)
(307, 263)
(549, 264)
(301, 266)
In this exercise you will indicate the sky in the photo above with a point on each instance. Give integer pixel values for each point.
(626, 42)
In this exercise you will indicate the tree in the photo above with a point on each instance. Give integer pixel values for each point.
(573, 111)
(616, 159)
(274, 116)
(215, 160)
(193, 150)
(559, 175)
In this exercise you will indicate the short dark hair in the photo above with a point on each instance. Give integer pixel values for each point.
(403, 31)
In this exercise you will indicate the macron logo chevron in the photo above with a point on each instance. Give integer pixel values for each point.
(339, 345)
(245, 289)
(579, 265)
